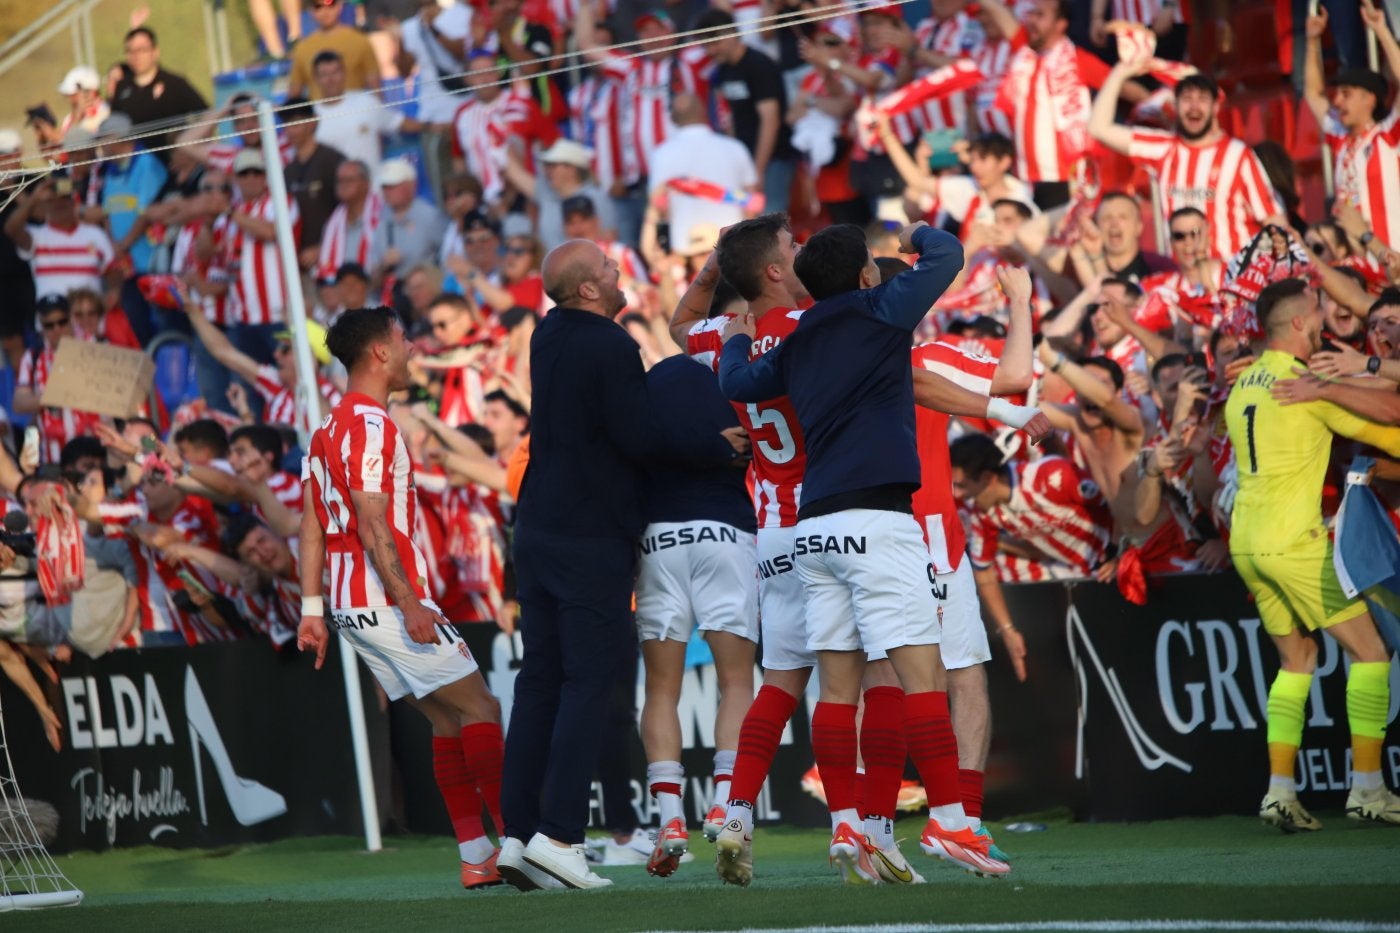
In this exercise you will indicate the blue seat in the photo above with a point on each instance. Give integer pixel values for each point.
(176, 378)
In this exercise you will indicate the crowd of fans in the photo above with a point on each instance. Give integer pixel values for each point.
(983, 118)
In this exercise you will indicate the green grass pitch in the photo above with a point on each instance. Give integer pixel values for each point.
(1227, 869)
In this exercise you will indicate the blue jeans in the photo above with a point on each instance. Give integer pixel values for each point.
(1348, 35)
(777, 184)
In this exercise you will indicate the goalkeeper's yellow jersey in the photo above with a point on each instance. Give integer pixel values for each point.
(1282, 452)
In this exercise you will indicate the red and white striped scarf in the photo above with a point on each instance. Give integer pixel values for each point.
(58, 538)
(337, 233)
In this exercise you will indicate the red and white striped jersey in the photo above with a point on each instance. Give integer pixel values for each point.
(281, 400)
(600, 118)
(1368, 172)
(905, 125)
(358, 449)
(779, 453)
(471, 553)
(158, 581)
(335, 237)
(1167, 289)
(991, 59)
(1054, 509)
(215, 269)
(63, 260)
(288, 490)
(1145, 11)
(959, 36)
(960, 198)
(1223, 180)
(1047, 96)
(650, 83)
(256, 267)
(478, 138)
(565, 10)
(57, 426)
(934, 505)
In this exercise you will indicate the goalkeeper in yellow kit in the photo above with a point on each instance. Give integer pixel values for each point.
(1280, 547)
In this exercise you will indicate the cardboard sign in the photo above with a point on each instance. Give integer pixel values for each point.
(99, 377)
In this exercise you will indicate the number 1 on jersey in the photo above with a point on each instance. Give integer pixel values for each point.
(1249, 412)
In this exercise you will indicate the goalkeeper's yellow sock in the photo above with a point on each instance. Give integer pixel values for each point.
(1368, 701)
(1287, 697)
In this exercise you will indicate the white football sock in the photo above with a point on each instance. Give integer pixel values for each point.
(950, 816)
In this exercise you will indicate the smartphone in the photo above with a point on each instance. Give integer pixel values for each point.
(1199, 408)
(192, 584)
(149, 445)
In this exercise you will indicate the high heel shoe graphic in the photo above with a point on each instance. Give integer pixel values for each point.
(250, 801)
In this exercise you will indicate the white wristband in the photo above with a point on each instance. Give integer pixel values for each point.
(313, 606)
(999, 409)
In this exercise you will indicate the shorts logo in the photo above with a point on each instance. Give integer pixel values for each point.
(359, 620)
(830, 544)
(680, 537)
(768, 569)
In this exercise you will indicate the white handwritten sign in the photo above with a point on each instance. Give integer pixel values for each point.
(99, 377)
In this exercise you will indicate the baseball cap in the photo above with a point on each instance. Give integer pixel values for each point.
(51, 302)
(10, 141)
(568, 152)
(1366, 80)
(659, 17)
(348, 270)
(477, 220)
(248, 159)
(115, 126)
(316, 336)
(81, 78)
(396, 172)
(578, 204)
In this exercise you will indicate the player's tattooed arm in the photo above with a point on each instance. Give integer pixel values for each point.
(695, 303)
(372, 515)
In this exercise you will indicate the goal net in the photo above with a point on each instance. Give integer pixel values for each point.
(28, 876)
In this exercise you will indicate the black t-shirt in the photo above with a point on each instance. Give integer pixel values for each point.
(11, 266)
(167, 97)
(312, 183)
(754, 78)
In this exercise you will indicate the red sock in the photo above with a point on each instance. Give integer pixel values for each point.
(758, 741)
(883, 749)
(458, 792)
(834, 747)
(933, 746)
(970, 781)
(484, 746)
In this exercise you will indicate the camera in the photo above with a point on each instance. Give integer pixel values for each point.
(16, 534)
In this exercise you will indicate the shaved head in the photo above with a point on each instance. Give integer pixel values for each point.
(577, 274)
(687, 108)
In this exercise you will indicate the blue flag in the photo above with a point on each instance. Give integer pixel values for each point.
(1367, 552)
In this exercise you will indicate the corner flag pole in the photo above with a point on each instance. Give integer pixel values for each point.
(310, 407)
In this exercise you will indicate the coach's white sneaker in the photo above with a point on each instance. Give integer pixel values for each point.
(566, 865)
(635, 851)
(516, 871)
(1376, 804)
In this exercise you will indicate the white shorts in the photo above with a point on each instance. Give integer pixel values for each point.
(696, 574)
(401, 665)
(868, 581)
(964, 638)
(782, 607)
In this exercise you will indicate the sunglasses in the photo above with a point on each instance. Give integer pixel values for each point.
(250, 171)
(55, 323)
(518, 251)
(1318, 248)
(1179, 235)
(831, 42)
(209, 189)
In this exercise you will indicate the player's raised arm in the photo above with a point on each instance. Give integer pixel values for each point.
(1014, 372)
(906, 299)
(694, 305)
(941, 394)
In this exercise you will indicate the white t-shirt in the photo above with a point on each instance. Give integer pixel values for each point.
(696, 151)
(63, 260)
(356, 125)
(455, 22)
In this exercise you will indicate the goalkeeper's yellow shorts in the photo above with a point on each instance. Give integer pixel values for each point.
(1297, 589)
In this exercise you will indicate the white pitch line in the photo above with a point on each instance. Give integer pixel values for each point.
(1102, 926)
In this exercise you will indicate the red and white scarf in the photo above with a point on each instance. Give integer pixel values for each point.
(337, 234)
(58, 540)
